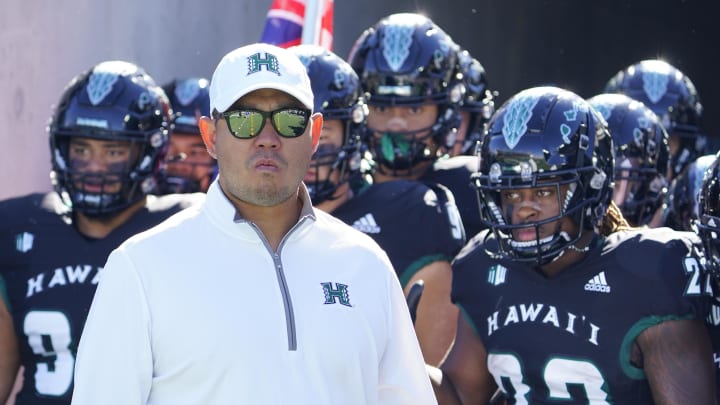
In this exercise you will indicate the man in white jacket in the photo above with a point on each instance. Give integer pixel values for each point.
(254, 297)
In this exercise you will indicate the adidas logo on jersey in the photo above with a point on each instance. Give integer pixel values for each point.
(598, 283)
(366, 224)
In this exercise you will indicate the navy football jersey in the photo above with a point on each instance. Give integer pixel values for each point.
(50, 272)
(713, 324)
(567, 338)
(409, 221)
(454, 173)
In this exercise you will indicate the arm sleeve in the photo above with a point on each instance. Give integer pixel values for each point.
(402, 374)
(114, 361)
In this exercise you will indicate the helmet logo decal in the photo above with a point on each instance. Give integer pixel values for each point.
(570, 115)
(186, 91)
(438, 58)
(339, 79)
(396, 45)
(100, 84)
(655, 85)
(144, 99)
(638, 136)
(517, 118)
(565, 131)
(604, 109)
(643, 122)
(269, 61)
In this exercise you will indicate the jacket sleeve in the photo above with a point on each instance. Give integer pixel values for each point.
(114, 361)
(402, 373)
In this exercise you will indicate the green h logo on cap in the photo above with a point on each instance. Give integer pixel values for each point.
(256, 63)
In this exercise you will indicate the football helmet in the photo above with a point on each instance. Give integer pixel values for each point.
(338, 96)
(189, 100)
(551, 137)
(708, 222)
(478, 100)
(641, 155)
(114, 100)
(407, 60)
(672, 96)
(681, 205)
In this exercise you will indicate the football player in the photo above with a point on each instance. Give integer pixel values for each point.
(707, 225)
(476, 107)
(108, 135)
(390, 212)
(563, 302)
(188, 166)
(409, 68)
(641, 157)
(680, 209)
(672, 96)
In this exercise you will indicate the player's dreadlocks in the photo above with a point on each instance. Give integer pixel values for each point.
(613, 221)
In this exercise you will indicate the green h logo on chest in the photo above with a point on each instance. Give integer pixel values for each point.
(338, 294)
(269, 61)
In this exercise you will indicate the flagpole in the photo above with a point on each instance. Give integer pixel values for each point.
(311, 26)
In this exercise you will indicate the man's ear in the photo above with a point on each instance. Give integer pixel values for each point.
(207, 131)
(316, 129)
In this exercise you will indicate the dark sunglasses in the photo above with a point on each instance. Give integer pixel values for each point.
(247, 123)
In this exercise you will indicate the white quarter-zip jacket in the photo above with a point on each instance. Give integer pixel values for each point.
(199, 310)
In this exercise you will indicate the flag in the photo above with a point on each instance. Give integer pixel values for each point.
(285, 20)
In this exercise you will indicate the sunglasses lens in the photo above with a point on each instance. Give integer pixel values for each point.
(290, 122)
(245, 124)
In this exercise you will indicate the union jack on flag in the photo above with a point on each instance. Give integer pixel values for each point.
(285, 19)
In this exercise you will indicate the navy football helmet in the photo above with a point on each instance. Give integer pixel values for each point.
(544, 136)
(641, 155)
(478, 100)
(190, 100)
(117, 101)
(338, 96)
(407, 60)
(681, 205)
(708, 222)
(672, 96)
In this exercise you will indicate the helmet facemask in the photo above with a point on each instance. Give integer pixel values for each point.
(639, 191)
(338, 96)
(98, 193)
(115, 102)
(405, 60)
(544, 138)
(332, 168)
(546, 246)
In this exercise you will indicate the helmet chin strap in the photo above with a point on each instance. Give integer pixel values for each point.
(565, 235)
(574, 246)
(579, 250)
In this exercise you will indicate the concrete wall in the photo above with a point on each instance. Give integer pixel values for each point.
(521, 43)
(44, 43)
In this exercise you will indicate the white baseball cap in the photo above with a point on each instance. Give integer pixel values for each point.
(258, 66)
